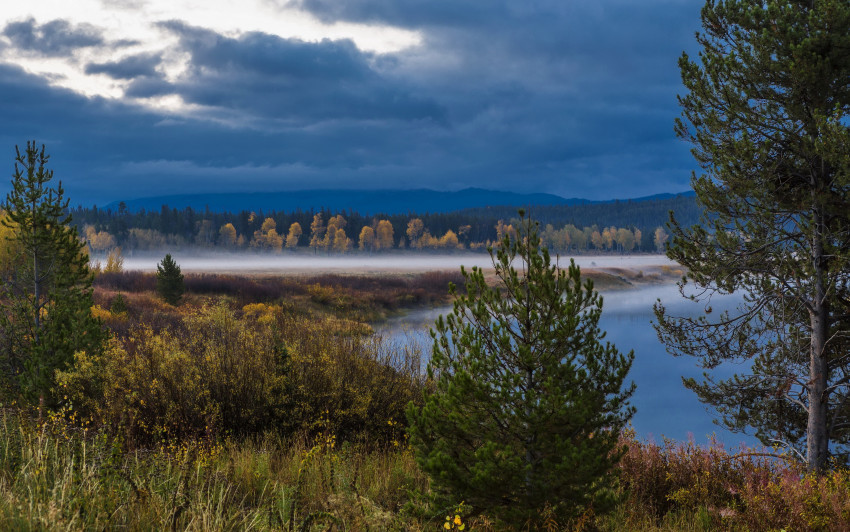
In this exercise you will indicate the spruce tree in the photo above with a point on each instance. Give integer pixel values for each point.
(767, 111)
(169, 281)
(527, 402)
(47, 302)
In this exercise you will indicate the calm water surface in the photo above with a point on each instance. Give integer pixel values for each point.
(665, 408)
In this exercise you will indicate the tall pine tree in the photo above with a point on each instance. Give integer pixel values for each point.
(767, 111)
(528, 401)
(48, 297)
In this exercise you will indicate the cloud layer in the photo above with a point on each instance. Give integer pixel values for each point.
(539, 96)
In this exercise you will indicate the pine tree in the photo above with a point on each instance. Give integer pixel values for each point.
(767, 112)
(48, 297)
(528, 402)
(169, 281)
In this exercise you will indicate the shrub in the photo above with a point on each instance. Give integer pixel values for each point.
(216, 373)
(749, 490)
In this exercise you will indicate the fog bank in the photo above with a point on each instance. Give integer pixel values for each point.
(357, 263)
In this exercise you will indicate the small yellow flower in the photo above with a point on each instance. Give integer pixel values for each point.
(457, 520)
(447, 526)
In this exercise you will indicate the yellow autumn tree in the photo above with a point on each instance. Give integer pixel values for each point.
(335, 225)
(367, 239)
(293, 236)
(449, 240)
(267, 237)
(317, 231)
(608, 236)
(227, 235)
(341, 241)
(99, 241)
(114, 261)
(503, 229)
(415, 230)
(660, 238)
(597, 240)
(626, 239)
(384, 235)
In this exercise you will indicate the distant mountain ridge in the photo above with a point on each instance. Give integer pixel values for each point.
(367, 202)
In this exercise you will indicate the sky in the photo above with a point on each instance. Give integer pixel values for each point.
(139, 98)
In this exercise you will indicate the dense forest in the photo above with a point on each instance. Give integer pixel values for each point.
(619, 226)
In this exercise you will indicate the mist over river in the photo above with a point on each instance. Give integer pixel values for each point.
(665, 408)
(248, 262)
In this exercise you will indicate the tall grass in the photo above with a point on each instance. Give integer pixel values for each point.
(55, 478)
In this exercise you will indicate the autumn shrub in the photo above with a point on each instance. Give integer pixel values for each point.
(226, 376)
(677, 475)
(792, 500)
(126, 281)
(138, 308)
(751, 489)
(220, 372)
(349, 379)
(244, 288)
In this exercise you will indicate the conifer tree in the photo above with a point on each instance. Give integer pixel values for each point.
(46, 313)
(169, 281)
(528, 402)
(767, 111)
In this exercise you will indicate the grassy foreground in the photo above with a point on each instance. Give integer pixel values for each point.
(55, 477)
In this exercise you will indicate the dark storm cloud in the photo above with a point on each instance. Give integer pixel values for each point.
(554, 91)
(134, 66)
(54, 38)
(103, 150)
(287, 79)
(411, 13)
(572, 98)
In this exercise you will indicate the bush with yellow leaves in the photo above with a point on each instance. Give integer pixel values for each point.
(221, 372)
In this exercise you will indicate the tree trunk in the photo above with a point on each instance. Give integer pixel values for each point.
(36, 279)
(817, 435)
(530, 439)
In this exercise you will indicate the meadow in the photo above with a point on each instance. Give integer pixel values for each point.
(268, 403)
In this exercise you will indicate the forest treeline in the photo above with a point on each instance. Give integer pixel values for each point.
(619, 226)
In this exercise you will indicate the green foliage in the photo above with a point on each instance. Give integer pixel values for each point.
(528, 402)
(767, 112)
(119, 304)
(169, 281)
(47, 298)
